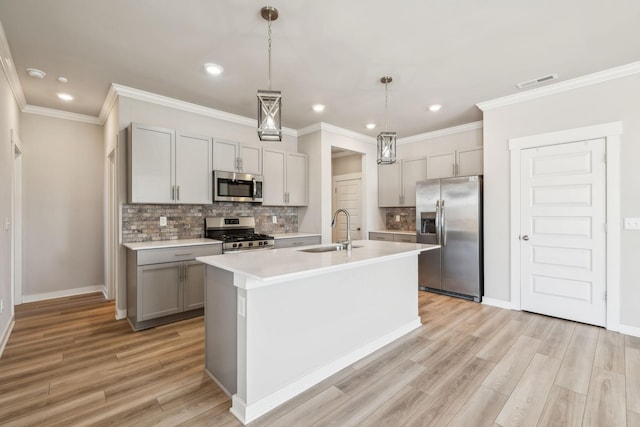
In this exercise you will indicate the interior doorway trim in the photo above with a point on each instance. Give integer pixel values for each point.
(611, 132)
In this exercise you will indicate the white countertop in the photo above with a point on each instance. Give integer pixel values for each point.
(277, 265)
(407, 232)
(294, 235)
(159, 244)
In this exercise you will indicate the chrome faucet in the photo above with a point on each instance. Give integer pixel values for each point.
(345, 243)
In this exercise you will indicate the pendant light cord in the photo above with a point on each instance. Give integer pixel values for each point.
(386, 94)
(269, 34)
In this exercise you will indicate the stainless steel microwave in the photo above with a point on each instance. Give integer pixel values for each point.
(236, 187)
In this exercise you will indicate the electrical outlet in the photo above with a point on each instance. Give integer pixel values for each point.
(397, 218)
(632, 223)
(163, 221)
(1, 305)
(274, 219)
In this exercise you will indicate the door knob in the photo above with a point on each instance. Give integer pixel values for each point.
(525, 237)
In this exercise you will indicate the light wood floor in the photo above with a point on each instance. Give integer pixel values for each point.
(68, 362)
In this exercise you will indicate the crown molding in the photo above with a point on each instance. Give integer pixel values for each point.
(10, 71)
(108, 103)
(59, 114)
(153, 98)
(326, 127)
(567, 85)
(441, 132)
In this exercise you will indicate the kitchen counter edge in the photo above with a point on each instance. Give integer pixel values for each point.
(160, 244)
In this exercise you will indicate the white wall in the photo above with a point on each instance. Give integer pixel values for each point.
(316, 217)
(616, 100)
(343, 165)
(9, 119)
(133, 110)
(63, 206)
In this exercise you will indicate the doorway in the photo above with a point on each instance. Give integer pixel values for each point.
(16, 220)
(346, 185)
(565, 221)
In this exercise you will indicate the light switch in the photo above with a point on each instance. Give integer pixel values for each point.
(163, 221)
(274, 219)
(632, 223)
(397, 218)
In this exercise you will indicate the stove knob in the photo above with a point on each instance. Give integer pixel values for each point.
(239, 245)
(266, 243)
(235, 245)
(259, 243)
(250, 243)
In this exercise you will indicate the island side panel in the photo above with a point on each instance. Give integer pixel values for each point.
(221, 328)
(301, 326)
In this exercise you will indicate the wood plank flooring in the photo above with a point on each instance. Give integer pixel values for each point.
(68, 362)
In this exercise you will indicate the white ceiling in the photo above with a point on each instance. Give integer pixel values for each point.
(456, 53)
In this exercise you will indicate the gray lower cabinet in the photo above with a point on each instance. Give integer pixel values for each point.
(290, 242)
(392, 237)
(165, 285)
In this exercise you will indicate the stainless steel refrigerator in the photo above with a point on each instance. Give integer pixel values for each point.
(449, 213)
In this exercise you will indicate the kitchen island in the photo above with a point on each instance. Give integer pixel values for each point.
(279, 321)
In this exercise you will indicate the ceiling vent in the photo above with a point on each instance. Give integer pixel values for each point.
(536, 82)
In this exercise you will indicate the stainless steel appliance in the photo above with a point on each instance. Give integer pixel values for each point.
(236, 187)
(237, 234)
(449, 213)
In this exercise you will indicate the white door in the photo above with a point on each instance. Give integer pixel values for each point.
(347, 192)
(563, 206)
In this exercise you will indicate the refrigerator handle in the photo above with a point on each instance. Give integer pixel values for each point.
(438, 220)
(443, 229)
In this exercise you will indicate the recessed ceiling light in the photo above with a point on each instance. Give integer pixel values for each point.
(63, 79)
(435, 107)
(34, 72)
(213, 69)
(371, 125)
(65, 96)
(318, 108)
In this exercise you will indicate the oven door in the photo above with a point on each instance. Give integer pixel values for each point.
(236, 187)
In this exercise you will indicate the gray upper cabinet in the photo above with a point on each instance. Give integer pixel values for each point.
(235, 157)
(285, 178)
(397, 182)
(164, 166)
(461, 162)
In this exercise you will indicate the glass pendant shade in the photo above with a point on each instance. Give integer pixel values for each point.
(269, 122)
(386, 148)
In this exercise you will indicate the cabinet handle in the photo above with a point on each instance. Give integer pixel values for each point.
(177, 192)
(241, 165)
(183, 253)
(186, 272)
(172, 192)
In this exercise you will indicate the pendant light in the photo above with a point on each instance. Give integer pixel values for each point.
(386, 140)
(269, 101)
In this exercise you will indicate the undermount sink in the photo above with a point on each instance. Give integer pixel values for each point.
(328, 248)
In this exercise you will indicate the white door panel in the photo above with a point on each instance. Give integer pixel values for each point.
(348, 196)
(563, 257)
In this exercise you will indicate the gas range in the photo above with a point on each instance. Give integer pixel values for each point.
(236, 233)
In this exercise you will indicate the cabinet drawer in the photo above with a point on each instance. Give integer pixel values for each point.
(183, 253)
(387, 237)
(404, 238)
(297, 241)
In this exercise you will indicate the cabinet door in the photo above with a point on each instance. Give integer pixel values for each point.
(273, 170)
(193, 169)
(413, 170)
(250, 159)
(386, 237)
(225, 156)
(389, 184)
(441, 165)
(469, 161)
(150, 164)
(296, 242)
(193, 282)
(404, 238)
(159, 290)
(296, 179)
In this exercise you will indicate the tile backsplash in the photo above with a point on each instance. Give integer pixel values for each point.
(141, 222)
(407, 219)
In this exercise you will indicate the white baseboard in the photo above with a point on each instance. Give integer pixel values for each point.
(497, 303)
(121, 314)
(249, 412)
(4, 338)
(629, 330)
(62, 294)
